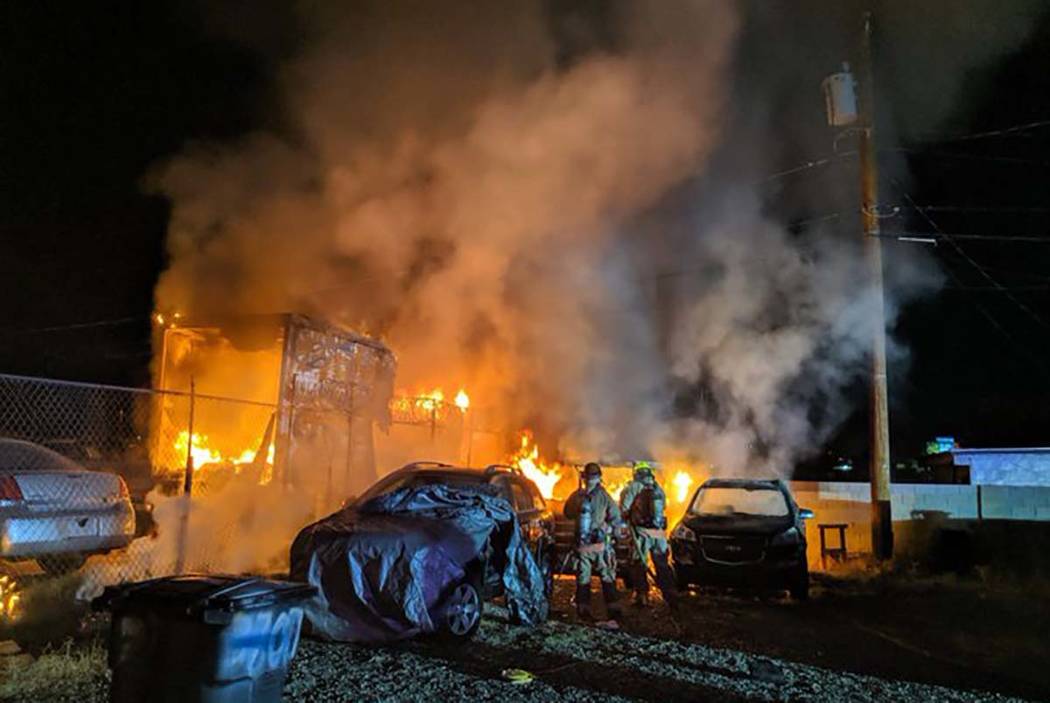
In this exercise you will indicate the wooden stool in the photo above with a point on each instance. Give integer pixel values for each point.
(837, 553)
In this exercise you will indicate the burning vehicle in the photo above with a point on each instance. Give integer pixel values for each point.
(742, 533)
(423, 550)
(57, 512)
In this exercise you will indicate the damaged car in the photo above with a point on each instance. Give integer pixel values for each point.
(422, 551)
(743, 533)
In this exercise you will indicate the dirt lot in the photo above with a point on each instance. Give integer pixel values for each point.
(887, 639)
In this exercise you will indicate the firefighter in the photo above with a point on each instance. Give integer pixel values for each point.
(597, 522)
(643, 502)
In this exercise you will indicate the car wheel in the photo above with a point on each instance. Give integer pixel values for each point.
(61, 564)
(800, 585)
(461, 613)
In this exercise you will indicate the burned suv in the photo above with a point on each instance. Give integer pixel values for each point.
(423, 549)
(742, 533)
(508, 482)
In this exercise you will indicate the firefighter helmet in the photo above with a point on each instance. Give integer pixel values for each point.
(642, 470)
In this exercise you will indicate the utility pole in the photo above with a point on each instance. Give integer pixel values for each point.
(881, 514)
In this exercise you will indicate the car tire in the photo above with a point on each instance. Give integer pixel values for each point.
(462, 610)
(799, 586)
(61, 564)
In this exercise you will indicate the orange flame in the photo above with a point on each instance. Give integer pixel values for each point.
(682, 482)
(203, 454)
(527, 458)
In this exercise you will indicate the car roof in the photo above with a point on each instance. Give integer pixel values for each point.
(742, 483)
(18, 453)
(435, 468)
(447, 471)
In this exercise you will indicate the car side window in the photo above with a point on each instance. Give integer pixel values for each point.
(522, 499)
(505, 490)
(534, 494)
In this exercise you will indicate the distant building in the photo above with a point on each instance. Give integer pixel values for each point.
(1024, 466)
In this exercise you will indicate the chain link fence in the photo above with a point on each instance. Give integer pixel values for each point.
(103, 484)
(95, 479)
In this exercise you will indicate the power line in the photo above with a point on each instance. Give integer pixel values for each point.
(966, 157)
(939, 234)
(955, 245)
(994, 132)
(1044, 286)
(802, 224)
(805, 167)
(980, 208)
(78, 325)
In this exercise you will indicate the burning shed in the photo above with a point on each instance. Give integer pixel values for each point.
(277, 398)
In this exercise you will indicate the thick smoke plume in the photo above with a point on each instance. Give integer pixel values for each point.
(562, 210)
(452, 184)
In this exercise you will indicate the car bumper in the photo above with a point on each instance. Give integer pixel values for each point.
(772, 570)
(28, 535)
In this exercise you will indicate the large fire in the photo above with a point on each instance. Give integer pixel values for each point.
(527, 458)
(548, 475)
(205, 455)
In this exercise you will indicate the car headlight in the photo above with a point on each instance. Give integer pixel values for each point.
(683, 532)
(791, 536)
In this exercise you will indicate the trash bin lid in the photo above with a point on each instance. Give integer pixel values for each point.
(193, 594)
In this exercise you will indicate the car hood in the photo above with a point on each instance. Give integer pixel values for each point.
(738, 524)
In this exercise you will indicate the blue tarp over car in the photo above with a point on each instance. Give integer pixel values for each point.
(382, 568)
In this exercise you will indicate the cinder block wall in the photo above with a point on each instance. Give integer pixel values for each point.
(849, 504)
(835, 503)
(1015, 502)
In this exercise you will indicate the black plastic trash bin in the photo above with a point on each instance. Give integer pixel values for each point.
(215, 639)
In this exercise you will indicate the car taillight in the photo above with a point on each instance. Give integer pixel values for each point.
(9, 489)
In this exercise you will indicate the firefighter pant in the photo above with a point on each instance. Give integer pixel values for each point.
(652, 544)
(595, 559)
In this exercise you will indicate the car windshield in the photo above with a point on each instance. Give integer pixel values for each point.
(739, 500)
(16, 455)
(413, 480)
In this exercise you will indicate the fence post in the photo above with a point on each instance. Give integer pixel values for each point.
(468, 416)
(350, 428)
(187, 488)
(433, 420)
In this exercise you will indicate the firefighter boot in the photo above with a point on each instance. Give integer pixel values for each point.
(583, 602)
(612, 600)
(665, 581)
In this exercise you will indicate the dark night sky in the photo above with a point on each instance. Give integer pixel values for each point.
(96, 93)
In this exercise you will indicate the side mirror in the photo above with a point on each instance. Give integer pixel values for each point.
(805, 513)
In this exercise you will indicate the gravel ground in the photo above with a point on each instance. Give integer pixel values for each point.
(579, 663)
(911, 642)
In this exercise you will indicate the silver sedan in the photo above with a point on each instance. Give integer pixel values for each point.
(57, 512)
